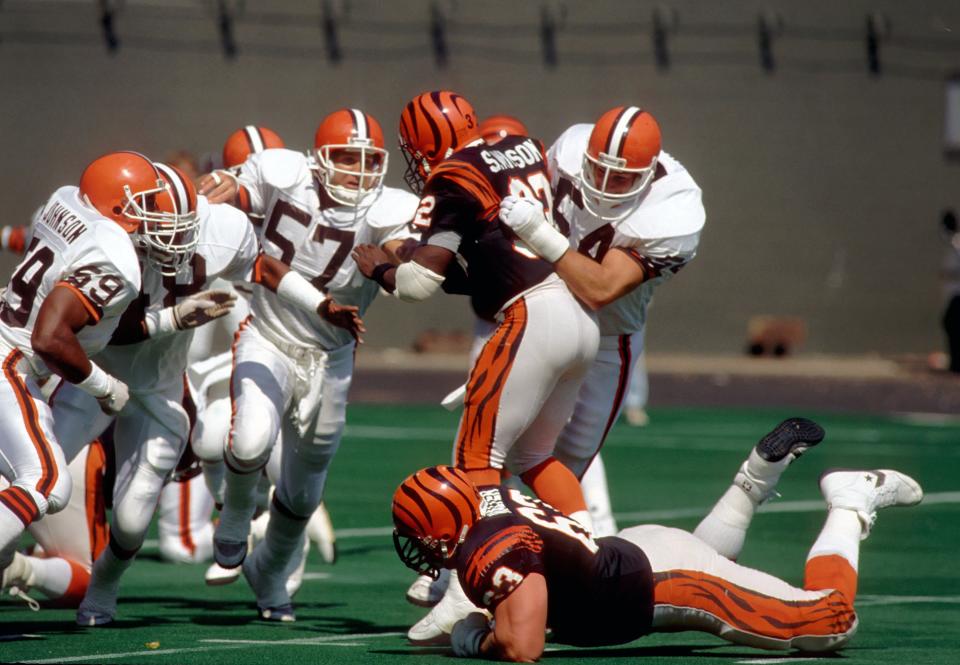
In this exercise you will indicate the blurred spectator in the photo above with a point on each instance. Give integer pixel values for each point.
(184, 160)
(950, 274)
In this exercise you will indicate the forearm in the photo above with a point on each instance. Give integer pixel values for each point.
(589, 281)
(61, 352)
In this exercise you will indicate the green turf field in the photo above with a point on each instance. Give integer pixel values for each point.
(669, 473)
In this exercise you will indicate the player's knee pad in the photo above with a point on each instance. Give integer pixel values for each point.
(59, 496)
(251, 441)
(211, 431)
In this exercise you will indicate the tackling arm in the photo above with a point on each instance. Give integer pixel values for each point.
(415, 280)
(599, 284)
(520, 623)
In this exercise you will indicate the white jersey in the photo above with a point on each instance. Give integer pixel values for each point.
(316, 243)
(662, 234)
(227, 249)
(75, 246)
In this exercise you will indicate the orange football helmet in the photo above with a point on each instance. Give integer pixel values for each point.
(619, 162)
(432, 126)
(497, 127)
(350, 157)
(169, 235)
(432, 511)
(122, 186)
(247, 141)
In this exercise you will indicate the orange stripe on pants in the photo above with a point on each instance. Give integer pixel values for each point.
(753, 612)
(31, 421)
(485, 389)
(95, 501)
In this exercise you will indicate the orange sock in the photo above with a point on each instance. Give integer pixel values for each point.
(557, 485)
(79, 581)
(831, 571)
(484, 477)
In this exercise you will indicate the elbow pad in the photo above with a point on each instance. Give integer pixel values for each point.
(414, 282)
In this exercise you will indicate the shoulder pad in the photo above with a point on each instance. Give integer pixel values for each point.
(393, 207)
(674, 211)
(282, 168)
(116, 245)
(569, 147)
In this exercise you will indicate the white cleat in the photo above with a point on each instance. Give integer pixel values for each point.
(17, 579)
(320, 531)
(865, 492)
(426, 591)
(435, 628)
(217, 575)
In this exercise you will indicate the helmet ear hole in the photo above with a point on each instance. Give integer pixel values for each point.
(117, 210)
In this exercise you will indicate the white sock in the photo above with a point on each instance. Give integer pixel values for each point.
(214, 475)
(840, 535)
(105, 582)
(238, 506)
(51, 576)
(725, 527)
(11, 528)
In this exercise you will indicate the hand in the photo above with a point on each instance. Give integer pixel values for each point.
(218, 186)
(468, 634)
(202, 308)
(405, 250)
(369, 257)
(525, 217)
(116, 397)
(522, 214)
(343, 316)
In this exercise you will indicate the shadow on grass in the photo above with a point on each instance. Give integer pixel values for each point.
(663, 651)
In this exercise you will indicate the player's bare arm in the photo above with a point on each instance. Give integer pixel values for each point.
(596, 283)
(520, 624)
(600, 283)
(294, 289)
(54, 336)
(414, 280)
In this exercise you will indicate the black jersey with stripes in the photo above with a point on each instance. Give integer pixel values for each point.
(599, 591)
(459, 211)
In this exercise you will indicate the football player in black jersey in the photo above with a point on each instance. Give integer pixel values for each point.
(530, 567)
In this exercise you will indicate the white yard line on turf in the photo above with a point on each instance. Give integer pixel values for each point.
(221, 645)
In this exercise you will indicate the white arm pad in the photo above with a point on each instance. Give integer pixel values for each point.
(295, 290)
(415, 282)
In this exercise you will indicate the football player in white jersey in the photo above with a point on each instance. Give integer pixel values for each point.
(187, 244)
(62, 304)
(291, 373)
(634, 216)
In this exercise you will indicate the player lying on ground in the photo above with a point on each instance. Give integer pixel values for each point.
(534, 568)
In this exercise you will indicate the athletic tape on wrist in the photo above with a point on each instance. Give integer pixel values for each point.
(97, 383)
(297, 291)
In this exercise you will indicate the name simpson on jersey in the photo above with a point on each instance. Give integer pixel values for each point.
(64, 222)
(525, 154)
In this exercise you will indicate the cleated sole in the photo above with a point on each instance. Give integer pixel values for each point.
(793, 435)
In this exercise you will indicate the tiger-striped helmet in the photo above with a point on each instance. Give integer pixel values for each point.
(433, 126)
(620, 162)
(432, 511)
(247, 141)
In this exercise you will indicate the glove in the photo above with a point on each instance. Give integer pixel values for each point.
(192, 312)
(110, 392)
(524, 216)
(468, 634)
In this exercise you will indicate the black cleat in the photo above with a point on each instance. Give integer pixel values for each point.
(793, 435)
(229, 554)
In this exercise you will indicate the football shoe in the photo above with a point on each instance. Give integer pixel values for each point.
(435, 628)
(865, 492)
(426, 591)
(320, 531)
(759, 474)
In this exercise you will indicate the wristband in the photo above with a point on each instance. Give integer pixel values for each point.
(297, 291)
(160, 321)
(97, 383)
(379, 272)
